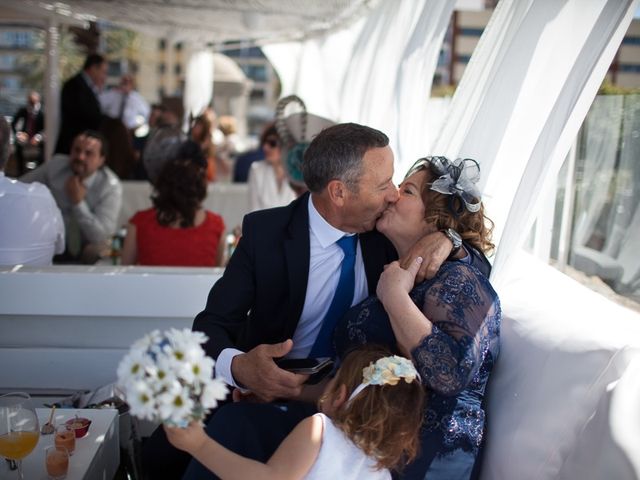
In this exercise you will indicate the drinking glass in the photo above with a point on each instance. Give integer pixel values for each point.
(19, 429)
(56, 461)
(65, 437)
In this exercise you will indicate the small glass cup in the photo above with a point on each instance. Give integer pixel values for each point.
(56, 460)
(65, 437)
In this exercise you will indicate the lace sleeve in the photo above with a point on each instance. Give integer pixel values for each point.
(465, 311)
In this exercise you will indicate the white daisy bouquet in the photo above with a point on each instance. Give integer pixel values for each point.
(167, 377)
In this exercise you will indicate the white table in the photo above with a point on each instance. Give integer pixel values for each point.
(96, 456)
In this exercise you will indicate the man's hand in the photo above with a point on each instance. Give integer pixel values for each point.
(256, 371)
(434, 248)
(76, 191)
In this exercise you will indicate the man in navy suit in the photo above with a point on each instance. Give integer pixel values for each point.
(280, 281)
(79, 103)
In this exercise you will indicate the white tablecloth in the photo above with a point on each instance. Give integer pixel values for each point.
(96, 456)
(231, 200)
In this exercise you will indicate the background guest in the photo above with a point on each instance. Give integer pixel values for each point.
(30, 221)
(121, 156)
(244, 161)
(226, 147)
(126, 104)
(87, 192)
(201, 133)
(268, 182)
(28, 128)
(177, 231)
(162, 145)
(79, 105)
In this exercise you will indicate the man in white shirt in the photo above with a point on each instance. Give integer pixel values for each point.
(31, 226)
(88, 193)
(126, 104)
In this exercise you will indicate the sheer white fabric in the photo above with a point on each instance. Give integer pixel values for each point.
(377, 72)
(607, 226)
(198, 88)
(523, 97)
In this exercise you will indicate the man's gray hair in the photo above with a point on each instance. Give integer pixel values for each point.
(5, 137)
(336, 153)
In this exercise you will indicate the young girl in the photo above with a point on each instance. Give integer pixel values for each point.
(370, 420)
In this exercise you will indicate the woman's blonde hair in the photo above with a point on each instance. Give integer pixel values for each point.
(382, 420)
(448, 211)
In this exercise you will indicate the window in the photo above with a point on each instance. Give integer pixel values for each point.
(178, 46)
(16, 39)
(248, 52)
(113, 68)
(256, 95)
(631, 41)
(161, 68)
(257, 73)
(10, 83)
(471, 32)
(7, 62)
(162, 44)
(177, 68)
(629, 68)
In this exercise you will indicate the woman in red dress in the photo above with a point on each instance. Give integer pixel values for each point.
(177, 231)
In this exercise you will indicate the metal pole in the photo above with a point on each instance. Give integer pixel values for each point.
(566, 224)
(51, 86)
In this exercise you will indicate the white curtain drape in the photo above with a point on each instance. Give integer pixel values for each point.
(601, 134)
(607, 224)
(198, 88)
(522, 98)
(376, 72)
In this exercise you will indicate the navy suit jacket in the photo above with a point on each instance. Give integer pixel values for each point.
(260, 297)
(79, 110)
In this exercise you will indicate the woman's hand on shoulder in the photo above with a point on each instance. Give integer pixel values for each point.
(396, 280)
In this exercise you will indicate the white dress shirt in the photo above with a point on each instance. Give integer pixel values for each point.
(97, 215)
(136, 108)
(263, 188)
(31, 226)
(324, 273)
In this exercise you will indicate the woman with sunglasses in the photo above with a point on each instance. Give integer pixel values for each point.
(268, 183)
(449, 325)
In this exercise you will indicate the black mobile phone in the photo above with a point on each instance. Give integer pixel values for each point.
(307, 366)
(316, 368)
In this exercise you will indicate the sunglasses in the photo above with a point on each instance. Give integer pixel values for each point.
(271, 142)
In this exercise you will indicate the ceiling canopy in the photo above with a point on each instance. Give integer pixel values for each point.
(260, 21)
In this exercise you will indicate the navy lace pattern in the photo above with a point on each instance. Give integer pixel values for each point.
(454, 361)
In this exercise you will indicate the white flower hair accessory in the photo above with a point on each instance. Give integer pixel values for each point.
(455, 178)
(168, 377)
(387, 371)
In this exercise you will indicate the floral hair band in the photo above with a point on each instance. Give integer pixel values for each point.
(387, 371)
(458, 177)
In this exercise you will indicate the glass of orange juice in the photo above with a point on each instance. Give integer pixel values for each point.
(19, 429)
(65, 437)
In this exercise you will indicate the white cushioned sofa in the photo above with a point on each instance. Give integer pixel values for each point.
(563, 402)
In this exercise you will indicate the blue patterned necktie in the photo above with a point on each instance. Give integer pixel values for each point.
(323, 346)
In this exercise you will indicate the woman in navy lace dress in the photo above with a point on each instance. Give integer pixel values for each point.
(449, 325)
